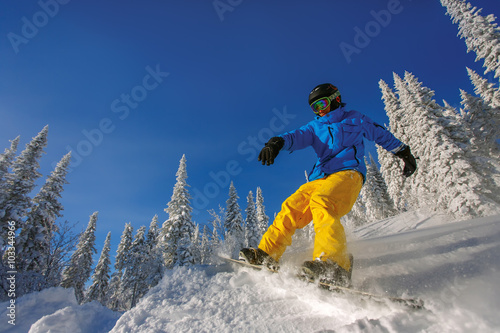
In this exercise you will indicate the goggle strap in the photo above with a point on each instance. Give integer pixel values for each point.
(334, 95)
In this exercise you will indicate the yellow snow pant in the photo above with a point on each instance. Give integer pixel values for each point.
(324, 201)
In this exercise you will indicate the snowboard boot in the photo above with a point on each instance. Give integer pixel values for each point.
(258, 257)
(327, 272)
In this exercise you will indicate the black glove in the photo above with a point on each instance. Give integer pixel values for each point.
(271, 150)
(409, 160)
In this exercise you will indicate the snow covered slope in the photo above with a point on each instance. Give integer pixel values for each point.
(453, 267)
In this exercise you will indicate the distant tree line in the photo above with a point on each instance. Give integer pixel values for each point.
(47, 254)
(142, 258)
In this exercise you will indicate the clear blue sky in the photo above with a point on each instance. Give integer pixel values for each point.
(131, 86)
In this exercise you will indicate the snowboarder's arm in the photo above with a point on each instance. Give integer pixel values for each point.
(381, 136)
(293, 140)
(298, 139)
(388, 141)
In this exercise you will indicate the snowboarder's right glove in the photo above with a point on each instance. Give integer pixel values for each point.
(409, 160)
(271, 150)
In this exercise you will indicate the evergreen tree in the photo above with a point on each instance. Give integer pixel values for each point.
(80, 266)
(206, 247)
(378, 203)
(20, 183)
(186, 251)
(390, 167)
(5, 162)
(417, 129)
(33, 243)
(462, 189)
(487, 91)
(154, 254)
(178, 228)
(393, 109)
(134, 282)
(252, 230)
(153, 233)
(357, 216)
(262, 218)
(483, 117)
(114, 292)
(233, 224)
(445, 180)
(491, 110)
(217, 236)
(481, 33)
(122, 259)
(447, 117)
(484, 154)
(123, 251)
(478, 115)
(196, 245)
(98, 291)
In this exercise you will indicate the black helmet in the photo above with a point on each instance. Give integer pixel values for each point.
(326, 90)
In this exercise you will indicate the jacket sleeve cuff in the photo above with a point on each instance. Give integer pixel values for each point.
(398, 149)
(288, 142)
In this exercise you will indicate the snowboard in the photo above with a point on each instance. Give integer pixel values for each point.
(412, 303)
(244, 263)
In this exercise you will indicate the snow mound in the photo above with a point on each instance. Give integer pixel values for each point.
(56, 310)
(30, 308)
(89, 317)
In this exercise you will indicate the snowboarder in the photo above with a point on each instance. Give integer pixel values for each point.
(335, 181)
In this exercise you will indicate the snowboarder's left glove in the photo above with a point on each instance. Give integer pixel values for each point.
(409, 160)
(271, 150)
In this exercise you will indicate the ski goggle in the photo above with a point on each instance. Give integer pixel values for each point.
(324, 102)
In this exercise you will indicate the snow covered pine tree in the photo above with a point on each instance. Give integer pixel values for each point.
(178, 230)
(98, 291)
(80, 266)
(234, 236)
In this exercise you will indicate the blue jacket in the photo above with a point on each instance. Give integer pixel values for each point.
(337, 139)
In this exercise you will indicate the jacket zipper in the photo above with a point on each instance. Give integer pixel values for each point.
(356, 154)
(331, 134)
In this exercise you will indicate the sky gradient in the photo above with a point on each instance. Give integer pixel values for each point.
(131, 86)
